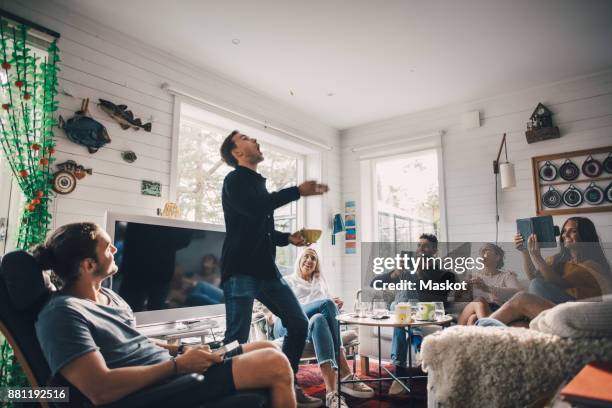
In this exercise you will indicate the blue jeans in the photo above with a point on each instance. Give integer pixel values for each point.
(399, 342)
(489, 322)
(322, 329)
(240, 292)
(204, 293)
(399, 347)
(550, 291)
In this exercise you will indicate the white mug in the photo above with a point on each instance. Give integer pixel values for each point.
(426, 311)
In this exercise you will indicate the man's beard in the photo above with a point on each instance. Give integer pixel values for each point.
(105, 273)
(256, 159)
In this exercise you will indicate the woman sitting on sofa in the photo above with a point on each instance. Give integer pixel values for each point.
(580, 270)
(491, 288)
(321, 308)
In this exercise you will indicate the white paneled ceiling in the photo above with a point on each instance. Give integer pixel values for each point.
(377, 59)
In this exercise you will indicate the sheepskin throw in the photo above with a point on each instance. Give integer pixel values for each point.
(502, 367)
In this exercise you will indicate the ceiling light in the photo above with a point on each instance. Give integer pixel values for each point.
(330, 94)
(236, 41)
(291, 92)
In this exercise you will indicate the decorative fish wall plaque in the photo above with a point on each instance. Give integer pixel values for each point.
(122, 116)
(84, 130)
(65, 179)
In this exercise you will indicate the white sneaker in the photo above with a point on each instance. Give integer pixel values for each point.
(332, 400)
(397, 389)
(357, 389)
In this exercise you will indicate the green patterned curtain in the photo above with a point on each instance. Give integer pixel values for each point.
(27, 96)
(29, 86)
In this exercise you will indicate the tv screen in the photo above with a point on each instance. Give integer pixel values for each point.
(165, 267)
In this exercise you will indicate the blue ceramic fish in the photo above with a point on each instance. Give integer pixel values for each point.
(84, 130)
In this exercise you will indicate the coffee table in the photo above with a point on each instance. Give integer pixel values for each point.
(391, 321)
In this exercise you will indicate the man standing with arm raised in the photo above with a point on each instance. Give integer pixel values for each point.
(248, 265)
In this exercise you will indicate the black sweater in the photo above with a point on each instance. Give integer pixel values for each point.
(251, 240)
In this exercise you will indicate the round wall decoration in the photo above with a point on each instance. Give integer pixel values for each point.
(592, 167)
(569, 171)
(594, 195)
(572, 197)
(64, 182)
(609, 193)
(607, 164)
(551, 198)
(129, 156)
(548, 172)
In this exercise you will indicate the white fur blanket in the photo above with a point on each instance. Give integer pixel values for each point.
(503, 367)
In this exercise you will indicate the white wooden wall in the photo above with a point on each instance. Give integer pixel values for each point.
(582, 109)
(100, 63)
(97, 62)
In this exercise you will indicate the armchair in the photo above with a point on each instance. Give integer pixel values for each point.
(512, 367)
(24, 290)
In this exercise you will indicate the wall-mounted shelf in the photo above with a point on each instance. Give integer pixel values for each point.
(582, 181)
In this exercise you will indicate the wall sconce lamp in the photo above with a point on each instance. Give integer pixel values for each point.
(505, 169)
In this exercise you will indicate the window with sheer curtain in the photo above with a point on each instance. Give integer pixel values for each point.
(407, 196)
(201, 173)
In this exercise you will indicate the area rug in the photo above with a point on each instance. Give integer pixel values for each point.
(309, 377)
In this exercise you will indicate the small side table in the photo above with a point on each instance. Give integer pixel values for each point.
(392, 321)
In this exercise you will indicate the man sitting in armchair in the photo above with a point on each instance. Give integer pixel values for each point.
(87, 333)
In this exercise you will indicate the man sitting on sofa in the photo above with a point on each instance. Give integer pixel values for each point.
(87, 333)
(427, 247)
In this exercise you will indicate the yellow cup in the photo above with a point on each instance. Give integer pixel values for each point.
(311, 235)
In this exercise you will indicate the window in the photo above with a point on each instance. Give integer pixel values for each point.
(11, 203)
(201, 173)
(12, 199)
(407, 197)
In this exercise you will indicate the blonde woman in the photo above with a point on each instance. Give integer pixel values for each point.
(321, 308)
(491, 287)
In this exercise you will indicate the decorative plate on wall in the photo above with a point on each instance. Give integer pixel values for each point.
(548, 172)
(569, 171)
(551, 198)
(64, 182)
(572, 197)
(608, 164)
(576, 182)
(591, 167)
(594, 195)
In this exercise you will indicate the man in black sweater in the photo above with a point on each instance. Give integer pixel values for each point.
(248, 267)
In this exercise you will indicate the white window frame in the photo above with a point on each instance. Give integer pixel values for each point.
(402, 148)
(408, 155)
(174, 172)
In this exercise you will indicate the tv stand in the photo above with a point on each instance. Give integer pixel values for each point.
(174, 332)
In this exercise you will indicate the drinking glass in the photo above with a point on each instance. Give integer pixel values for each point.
(357, 308)
(414, 308)
(379, 309)
(439, 310)
(364, 309)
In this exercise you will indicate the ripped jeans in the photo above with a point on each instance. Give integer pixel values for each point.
(322, 329)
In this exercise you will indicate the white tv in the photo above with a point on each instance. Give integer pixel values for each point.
(162, 261)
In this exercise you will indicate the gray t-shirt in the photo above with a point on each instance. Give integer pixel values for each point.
(69, 327)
